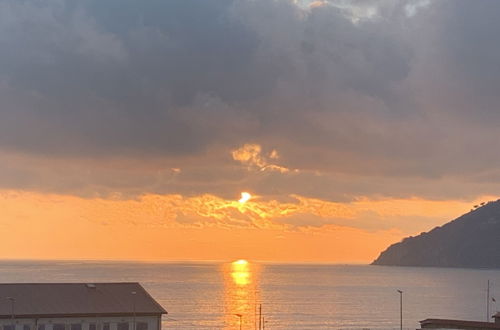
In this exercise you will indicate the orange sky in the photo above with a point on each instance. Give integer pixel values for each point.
(172, 227)
(351, 124)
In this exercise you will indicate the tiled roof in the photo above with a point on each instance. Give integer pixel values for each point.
(75, 299)
(460, 324)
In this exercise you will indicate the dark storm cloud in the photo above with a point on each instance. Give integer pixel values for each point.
(98, 76)
(471, 43)
(386, 90)
(108, 76)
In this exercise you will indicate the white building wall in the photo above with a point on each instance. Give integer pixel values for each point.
(34, 324)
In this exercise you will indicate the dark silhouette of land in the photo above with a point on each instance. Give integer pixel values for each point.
(472, 241)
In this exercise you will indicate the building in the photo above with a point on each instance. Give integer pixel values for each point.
(445, 324)
(78, 306)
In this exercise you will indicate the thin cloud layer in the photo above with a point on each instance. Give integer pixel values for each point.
(298, 213)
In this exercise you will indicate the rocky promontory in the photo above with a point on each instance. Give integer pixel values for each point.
(472, 241)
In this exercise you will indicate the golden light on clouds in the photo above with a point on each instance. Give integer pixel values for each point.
(209, 227)
(209, 210)
(319, 3)
(251, 155)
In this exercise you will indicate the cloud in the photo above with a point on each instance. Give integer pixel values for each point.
(298, 213)
(413, 8)
(363, 97)
(251, 155)
(152, 235)
(133, 83)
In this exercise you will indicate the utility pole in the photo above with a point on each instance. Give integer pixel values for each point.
(255, 309)
(240, 316)
(488, 302)
(400, 309)
(260, 316)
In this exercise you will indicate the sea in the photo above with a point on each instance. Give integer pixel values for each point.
(213, 295)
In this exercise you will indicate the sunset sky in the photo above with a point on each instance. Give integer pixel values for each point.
(130, 129)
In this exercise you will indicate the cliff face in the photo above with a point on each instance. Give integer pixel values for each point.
(472, 240)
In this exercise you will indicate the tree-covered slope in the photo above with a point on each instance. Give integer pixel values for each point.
(472, 240)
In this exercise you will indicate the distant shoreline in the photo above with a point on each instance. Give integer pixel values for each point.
(132, 261)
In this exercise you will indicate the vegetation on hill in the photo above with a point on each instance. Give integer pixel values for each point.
(472, 240)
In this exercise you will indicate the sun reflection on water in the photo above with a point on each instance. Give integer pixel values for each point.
(240, 294)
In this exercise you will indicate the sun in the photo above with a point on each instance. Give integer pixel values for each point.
(245, 197)
(240, 262)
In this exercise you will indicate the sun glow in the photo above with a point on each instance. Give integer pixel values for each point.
(241, 294)
(240, 272)
(245, 197)
(240, 262)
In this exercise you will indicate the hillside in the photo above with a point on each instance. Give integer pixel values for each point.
(472, 240)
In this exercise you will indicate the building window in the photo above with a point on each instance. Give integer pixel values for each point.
(26, 327)
(9, 327)
(41, 327)
(105, 326)
(76, 326)
(58, 326)
(122, 326)
(141, 326)
(92, 326)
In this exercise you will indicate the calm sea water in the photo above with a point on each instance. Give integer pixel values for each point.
(207, 296)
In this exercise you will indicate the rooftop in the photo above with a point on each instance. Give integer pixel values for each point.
(459, 324)
(76, 299)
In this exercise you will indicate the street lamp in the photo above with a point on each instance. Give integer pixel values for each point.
(133, 306)
(240, 316)
(264, 323)
(400, 309)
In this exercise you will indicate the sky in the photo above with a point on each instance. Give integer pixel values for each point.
(130, 129)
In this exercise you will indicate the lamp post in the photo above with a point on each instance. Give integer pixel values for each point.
(240, 316)
(133, 306)
(488, 302)
(400, 309)
(264, 321)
